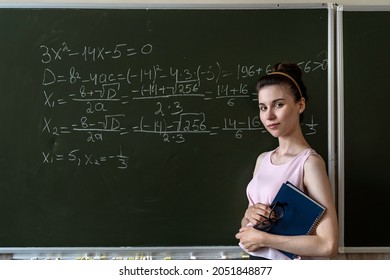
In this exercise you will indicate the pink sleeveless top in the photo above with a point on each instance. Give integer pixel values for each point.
(266, 183)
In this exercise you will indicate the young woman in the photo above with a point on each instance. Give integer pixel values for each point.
(282, 101)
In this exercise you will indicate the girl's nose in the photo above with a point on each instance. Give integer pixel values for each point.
(269, 115)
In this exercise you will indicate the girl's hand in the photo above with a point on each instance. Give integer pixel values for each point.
(257, 213)
(250, 238)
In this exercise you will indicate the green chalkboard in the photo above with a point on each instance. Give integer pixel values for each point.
(139, 127)
(366, 96)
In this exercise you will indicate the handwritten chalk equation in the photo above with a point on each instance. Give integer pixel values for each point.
(151, 83)
(80, 158)
(132, 95)
(92, 53)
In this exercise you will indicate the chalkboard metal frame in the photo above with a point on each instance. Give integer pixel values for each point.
(196, 252)
(342, 197)
(183, 5)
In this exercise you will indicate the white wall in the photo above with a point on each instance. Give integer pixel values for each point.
(149, 2)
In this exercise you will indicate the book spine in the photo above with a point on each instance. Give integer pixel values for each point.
(316, 222)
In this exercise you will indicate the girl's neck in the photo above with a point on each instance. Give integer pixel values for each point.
(292, 145)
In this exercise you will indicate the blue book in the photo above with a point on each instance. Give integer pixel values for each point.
(296, 213)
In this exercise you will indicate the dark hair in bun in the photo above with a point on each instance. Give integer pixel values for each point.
(285, 74)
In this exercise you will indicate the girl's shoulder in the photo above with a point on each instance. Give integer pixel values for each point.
(260, 159)
(315, 170)
(263, 155)
(314, 159)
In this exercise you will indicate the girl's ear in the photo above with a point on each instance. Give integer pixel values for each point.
(302, 105)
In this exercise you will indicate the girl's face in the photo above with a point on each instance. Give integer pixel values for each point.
(279, 112)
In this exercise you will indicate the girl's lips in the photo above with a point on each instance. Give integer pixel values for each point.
(272, 125)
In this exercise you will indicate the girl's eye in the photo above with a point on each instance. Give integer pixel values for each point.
(278, 104)
(262, 108)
